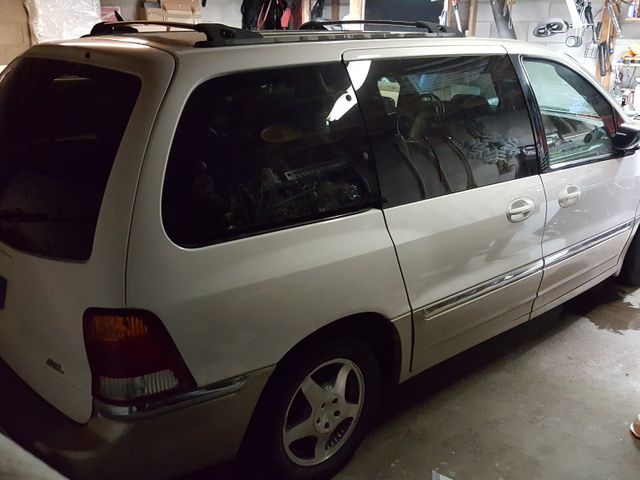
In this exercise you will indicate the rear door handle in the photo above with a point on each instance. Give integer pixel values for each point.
(520, 209)
(569, 195)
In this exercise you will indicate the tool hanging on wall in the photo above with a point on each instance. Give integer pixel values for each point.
(552, 27)
(582, 18)
(502, 16)
(456, 14)
(265, 14)
(317, 11)
(443, 18)
(603, 59)
(506, 11)
(250, 10)
(614, 18)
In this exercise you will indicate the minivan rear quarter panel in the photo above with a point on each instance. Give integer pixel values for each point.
(239, 306)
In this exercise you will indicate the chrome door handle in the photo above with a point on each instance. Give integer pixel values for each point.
(520, 209)
(569, 195)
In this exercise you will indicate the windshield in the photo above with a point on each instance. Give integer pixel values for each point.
(61, 125)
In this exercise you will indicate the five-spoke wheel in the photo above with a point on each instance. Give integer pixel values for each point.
(323, 412)
(314, 411)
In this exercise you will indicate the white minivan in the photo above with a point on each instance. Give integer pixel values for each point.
(220, 241)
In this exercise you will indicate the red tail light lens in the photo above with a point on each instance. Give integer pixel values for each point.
(132, 357)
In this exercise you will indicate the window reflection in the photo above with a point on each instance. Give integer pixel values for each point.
(443, 125)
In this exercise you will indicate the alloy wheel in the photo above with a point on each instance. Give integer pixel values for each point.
(323, 412)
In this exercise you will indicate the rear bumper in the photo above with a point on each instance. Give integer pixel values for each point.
(152, 446)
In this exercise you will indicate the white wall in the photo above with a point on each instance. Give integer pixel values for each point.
(219, 11)
(223, 11)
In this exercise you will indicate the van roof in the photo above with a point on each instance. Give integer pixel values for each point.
(220, 35)
(180, 39)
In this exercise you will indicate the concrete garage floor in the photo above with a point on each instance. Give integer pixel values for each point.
(551, 399)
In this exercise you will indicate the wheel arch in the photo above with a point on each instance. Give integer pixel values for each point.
(383, 336)
(380, 333)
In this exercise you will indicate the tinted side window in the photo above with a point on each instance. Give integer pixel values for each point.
(441, 125)
(61, 124)
(578, 120)
(264, 150)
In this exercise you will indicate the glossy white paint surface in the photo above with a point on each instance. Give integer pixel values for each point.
(610, 191)
(46, 299)
(451, 243)
(235, 307)
(241, 305)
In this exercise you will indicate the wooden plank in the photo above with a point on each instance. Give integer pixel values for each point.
(335, 10)
(473, 17)
(356, 9)
(606, 31)
(14, 30)
(306, 10)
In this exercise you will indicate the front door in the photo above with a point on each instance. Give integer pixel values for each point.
(592, 190)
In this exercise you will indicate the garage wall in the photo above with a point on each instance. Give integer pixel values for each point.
(14, 30)
(220, 11)
(227, 12)
(529, 13)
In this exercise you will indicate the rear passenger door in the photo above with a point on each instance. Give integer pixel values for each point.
(463, 201)
(592, 189)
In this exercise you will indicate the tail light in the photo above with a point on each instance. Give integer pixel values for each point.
(132, 357)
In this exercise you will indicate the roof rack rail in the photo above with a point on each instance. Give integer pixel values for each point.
(217, 34)
(430, 27)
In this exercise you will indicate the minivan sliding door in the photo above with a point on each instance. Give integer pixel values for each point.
(454, 149)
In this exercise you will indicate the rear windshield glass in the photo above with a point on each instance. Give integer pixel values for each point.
(61, 124)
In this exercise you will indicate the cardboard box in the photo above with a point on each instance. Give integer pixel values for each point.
(184, 11)
(155, 14)
(14, 30)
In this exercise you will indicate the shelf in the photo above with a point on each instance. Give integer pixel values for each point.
(631, 20)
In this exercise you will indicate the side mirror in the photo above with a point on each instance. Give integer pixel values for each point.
(627, 136)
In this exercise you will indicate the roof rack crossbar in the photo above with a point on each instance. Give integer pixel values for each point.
(217, 34)
(322, 24)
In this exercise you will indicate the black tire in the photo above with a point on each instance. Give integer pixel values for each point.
(264, 454)
(630, 273)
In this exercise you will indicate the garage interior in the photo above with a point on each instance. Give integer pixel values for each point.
(550, 399)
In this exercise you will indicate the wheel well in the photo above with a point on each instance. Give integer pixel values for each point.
(374, 329)
(377, 331)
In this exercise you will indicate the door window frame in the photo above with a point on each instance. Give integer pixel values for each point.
(485, 52)
(374, 204)
(536, 115)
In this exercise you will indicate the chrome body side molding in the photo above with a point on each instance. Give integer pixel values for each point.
(481, 289)
(588, 243)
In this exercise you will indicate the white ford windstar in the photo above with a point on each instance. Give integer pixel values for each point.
(216, 240)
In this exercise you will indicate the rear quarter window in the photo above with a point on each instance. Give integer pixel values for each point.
(266, 150)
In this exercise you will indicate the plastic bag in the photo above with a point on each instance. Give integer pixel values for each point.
(51, 20)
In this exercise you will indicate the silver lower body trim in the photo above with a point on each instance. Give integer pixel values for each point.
(203, 394)
(588, 243)
(481, 289)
